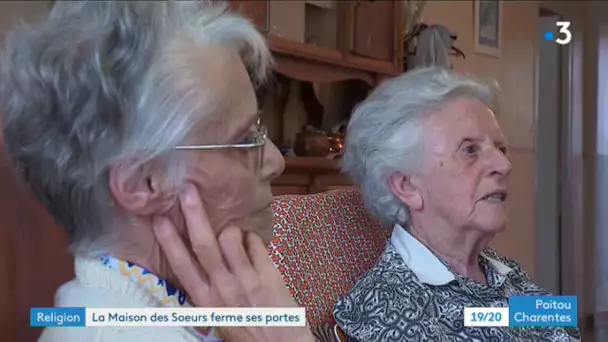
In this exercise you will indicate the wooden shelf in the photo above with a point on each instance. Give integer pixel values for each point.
(311, 63)
(308, 175)
(312, 165)
(333, 57)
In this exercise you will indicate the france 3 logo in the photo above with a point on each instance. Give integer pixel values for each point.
(564, 35)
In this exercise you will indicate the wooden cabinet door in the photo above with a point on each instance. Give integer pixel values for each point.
(256, 10)
(375, 28)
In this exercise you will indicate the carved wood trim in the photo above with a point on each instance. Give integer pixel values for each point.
(318, 72)
(312, 164)
(309, 175)
(285, 47)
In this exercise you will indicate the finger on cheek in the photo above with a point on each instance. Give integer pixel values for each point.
(229, 237)
(258, 254)
(163, 229)
(176, 253)
(189, 198)
(170, 243)
(200, 233)
(232, 244)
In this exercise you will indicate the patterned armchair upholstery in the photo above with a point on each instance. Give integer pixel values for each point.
(324, 243)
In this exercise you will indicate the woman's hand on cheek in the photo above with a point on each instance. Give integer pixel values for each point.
(229, 271)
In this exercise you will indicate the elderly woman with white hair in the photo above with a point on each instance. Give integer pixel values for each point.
(430, 158)
(136, 125)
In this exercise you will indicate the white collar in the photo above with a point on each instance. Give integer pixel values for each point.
(425, 265)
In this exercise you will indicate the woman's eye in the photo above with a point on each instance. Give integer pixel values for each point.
(245, 140)
(471, 149)
(248, 138)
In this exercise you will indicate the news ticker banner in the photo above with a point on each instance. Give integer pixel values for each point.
(527, 311)
(147, 317)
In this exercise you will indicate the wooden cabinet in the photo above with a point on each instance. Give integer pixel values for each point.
(374, 30)
(308, 175)
(257, 11)
(368, 35)
(328, 42)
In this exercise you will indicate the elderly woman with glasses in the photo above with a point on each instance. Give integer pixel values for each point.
(136, 125)
(430, 158)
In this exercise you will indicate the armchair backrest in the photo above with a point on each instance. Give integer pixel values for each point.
(324, 243)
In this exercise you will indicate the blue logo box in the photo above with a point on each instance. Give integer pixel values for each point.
(543, 311)
(58, 317)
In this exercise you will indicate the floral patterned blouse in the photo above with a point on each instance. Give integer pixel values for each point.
(412, 295)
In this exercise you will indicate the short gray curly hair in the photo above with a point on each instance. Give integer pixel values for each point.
(385, 130)
(93, 84)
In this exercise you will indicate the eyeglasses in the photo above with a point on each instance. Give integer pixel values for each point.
(255, 139)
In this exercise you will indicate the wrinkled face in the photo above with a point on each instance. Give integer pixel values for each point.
(467, 170)
(234, 184)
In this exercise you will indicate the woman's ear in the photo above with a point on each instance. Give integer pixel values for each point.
(404, 189)
(139, 189)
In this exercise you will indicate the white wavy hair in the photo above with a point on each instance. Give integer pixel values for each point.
(385, 131)
(94, 83)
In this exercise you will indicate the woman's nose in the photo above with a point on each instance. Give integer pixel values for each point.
(501, 163)
(273, 163)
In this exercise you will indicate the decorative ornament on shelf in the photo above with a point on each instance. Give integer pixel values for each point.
(337, 145)
(413, 14)
(312, 143)
(426, 45)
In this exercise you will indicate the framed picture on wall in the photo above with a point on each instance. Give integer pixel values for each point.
(488, 27)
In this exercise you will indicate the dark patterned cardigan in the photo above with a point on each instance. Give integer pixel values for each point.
(390, 303)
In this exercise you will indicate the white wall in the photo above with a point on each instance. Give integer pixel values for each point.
(596, 157)
(579, 66)
(547, 156)
(601, 177)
